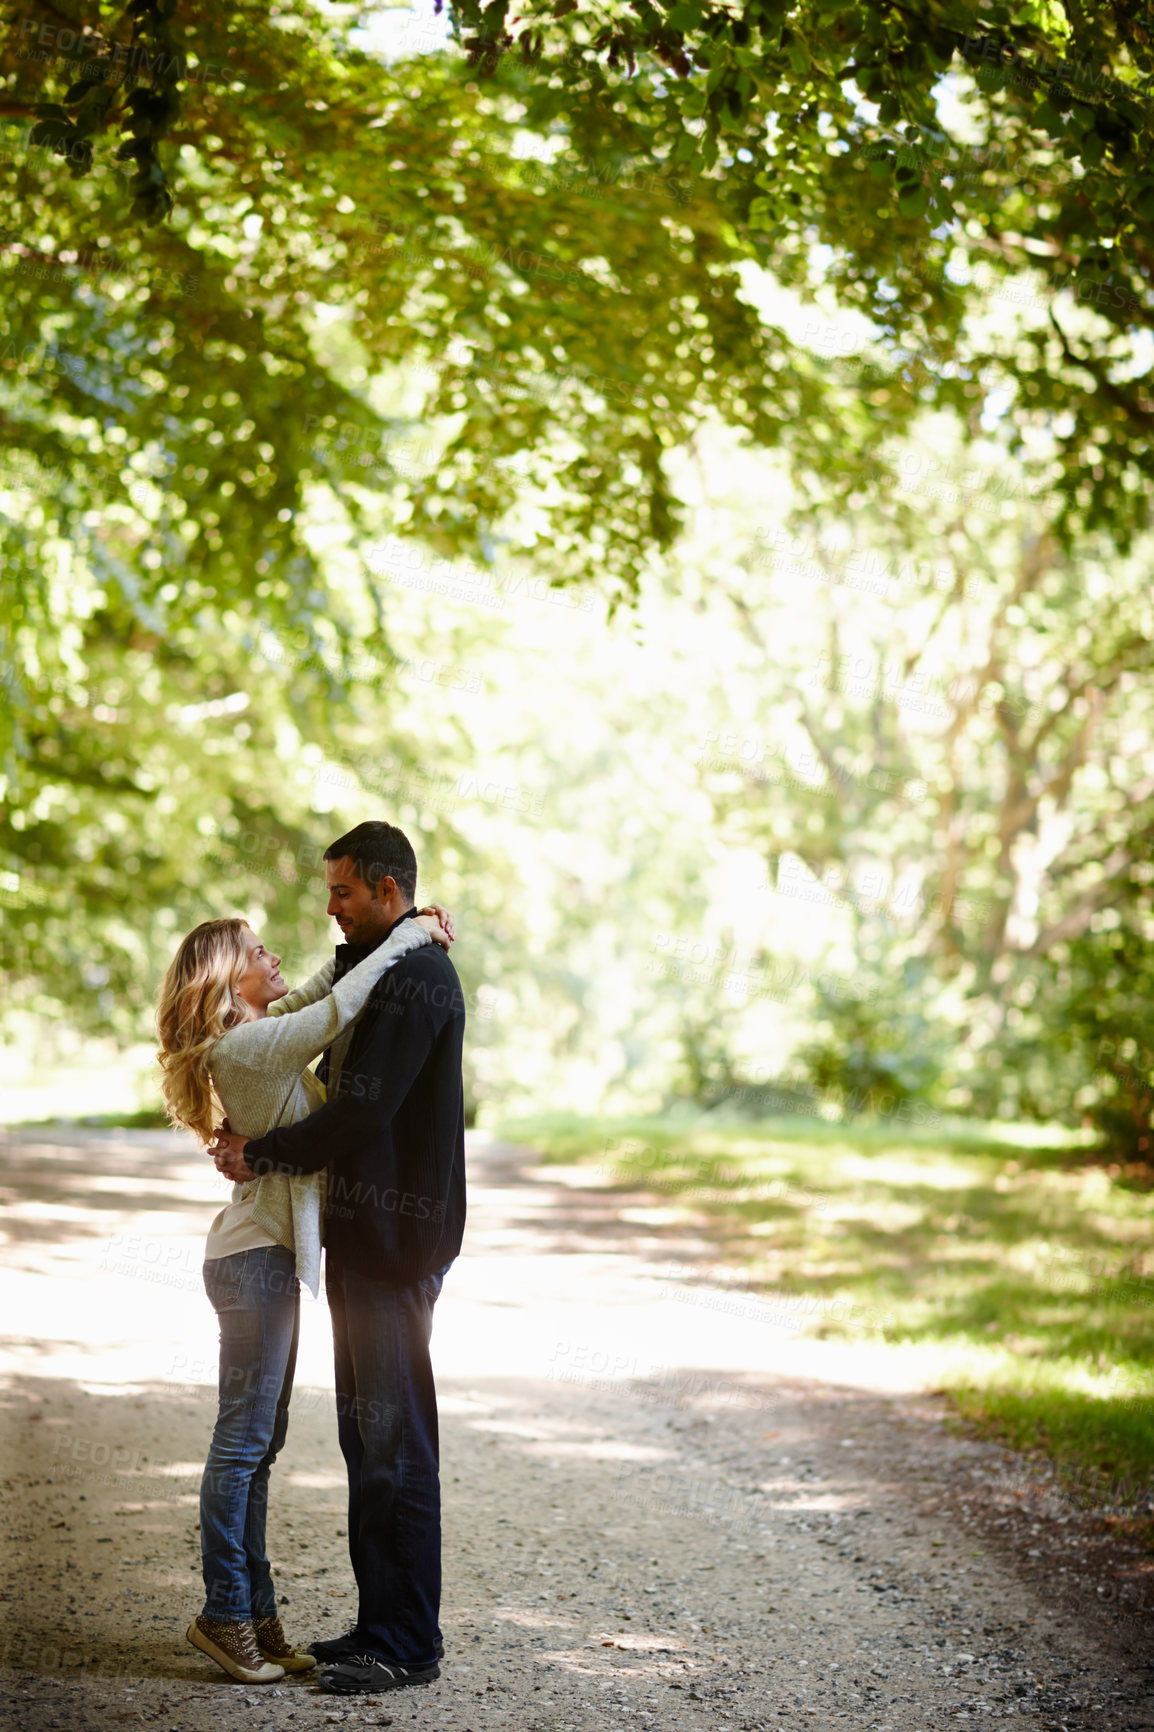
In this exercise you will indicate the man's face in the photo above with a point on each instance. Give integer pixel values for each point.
(361, 913)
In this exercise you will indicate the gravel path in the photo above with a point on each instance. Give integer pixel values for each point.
(663, 1505)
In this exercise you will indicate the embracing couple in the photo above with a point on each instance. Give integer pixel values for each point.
(368, 1156)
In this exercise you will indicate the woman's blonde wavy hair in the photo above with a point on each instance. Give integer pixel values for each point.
(199, 1002)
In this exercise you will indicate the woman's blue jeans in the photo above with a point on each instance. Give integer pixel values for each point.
(256, 1296)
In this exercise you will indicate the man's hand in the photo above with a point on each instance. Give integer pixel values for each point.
(227, 1151)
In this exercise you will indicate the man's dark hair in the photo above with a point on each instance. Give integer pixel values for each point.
(378, 851)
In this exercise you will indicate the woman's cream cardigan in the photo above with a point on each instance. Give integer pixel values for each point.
(256, 1068)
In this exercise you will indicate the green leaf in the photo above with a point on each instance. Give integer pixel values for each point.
(55, 134)
(914, 203)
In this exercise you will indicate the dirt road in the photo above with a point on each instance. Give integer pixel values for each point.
(664, 1506)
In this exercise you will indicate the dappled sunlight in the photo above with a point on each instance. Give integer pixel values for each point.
(962, 1267)
(900, 1169)
(543, 1291)
(605, 1451)
(631, 1644)
(696, 481)
(855, 1280)
(628, 1435)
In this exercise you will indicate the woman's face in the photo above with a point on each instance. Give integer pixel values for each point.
(261, 983)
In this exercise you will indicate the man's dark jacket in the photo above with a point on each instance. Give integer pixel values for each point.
(392, 1133)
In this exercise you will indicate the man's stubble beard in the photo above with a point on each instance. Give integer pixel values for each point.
(366, 932)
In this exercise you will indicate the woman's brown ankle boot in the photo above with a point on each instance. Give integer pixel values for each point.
(233, 1647)
(275, 1646)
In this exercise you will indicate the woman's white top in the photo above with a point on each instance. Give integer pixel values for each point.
(258, 1069)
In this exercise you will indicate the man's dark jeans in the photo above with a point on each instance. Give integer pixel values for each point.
(387, 1425)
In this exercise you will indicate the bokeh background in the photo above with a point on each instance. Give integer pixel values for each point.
(722, 543)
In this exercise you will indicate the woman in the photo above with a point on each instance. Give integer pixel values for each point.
(231, 1031)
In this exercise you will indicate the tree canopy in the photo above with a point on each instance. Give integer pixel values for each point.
(902, 155)
(366, 325)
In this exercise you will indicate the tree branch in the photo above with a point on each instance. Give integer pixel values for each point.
(1075, 920)
(1121, 399)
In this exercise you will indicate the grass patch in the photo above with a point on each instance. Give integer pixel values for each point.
(1008, 1251)
(147, 1119)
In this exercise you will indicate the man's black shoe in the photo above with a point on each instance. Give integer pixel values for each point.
(364, 1674)
(336, 1648)
(347, 1647)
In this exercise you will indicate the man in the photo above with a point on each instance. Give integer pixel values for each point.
(392, 1137)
